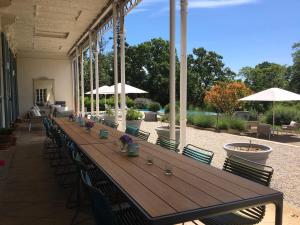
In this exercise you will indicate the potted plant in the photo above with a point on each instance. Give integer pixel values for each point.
(109, 114)
(165, 129)
(7, 138)
(152, 115)
(133, 118)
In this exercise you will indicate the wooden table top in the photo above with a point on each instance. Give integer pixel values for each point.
(81, 137)
(192, 186)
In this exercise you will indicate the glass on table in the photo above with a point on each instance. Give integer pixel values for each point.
(149, 160)
(168, 169)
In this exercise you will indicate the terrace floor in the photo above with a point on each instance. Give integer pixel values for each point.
(30, 194)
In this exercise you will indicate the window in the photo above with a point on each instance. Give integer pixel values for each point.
(40, 96)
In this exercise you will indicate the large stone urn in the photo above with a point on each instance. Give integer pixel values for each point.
(253, 152)
(165, 131)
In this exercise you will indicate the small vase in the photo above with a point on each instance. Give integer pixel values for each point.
(124, 147)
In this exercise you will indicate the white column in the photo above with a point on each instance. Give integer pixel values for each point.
(97, 76)
(183, 73)
(115, 20)
(172, 78)
(82, 84)
(77, 83)
(122, 54)
(91, 71)
(1, 83)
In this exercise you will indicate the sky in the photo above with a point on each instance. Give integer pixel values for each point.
(244, 32)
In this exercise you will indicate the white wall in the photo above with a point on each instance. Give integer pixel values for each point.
(32, 66)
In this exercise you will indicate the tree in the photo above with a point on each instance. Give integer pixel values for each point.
(224, 96)
(295, 69)
(147, 67)
(205, 68)
(265, 75)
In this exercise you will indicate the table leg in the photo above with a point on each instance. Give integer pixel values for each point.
(278, 212)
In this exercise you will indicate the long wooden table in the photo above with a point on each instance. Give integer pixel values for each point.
(194, 191)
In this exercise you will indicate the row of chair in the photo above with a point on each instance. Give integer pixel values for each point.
(109, 205)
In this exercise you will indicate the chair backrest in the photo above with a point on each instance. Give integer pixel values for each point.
(199, 154)
(167, 143)
(143, 135)
(264, 128)
(102, 209)
(110, 123)
(248, 169)
(253, 171)
(132, 130)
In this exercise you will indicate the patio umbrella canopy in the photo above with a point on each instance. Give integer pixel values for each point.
(273, 95)
(128, 89)
(103, 90)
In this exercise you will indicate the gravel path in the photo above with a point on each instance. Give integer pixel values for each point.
(285, 158)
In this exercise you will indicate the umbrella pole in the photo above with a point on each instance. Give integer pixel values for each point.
(273, 117)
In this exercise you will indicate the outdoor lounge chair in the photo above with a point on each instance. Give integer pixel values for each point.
(199, 154)
(252, 171)
(264, 129)
(167, 143)
(292, 127)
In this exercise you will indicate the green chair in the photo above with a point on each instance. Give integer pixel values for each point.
(199, 154)
(250, 170)
(132, 130)
(167, 143)
(143, 135)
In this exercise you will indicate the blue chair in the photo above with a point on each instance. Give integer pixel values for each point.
(199, 154)
(132, 130)
(167, 143)
(103, 210)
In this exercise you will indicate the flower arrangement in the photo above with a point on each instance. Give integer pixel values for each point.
(125, 140)
(89, 125)
(71, 117)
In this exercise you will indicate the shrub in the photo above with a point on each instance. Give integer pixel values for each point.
(167, 108)
(237, 124)
(129, 102)
(154, 106)
(283, 115)
(223, 124)
(201, 120)
(133, 114)
(141, 103)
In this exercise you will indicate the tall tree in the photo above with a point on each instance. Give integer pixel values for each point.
(205, 68)
(295, 68)
(265, 75)
(147, 67)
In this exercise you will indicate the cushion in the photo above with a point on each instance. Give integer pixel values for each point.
(293, 123)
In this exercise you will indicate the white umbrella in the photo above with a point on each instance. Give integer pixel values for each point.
(273, 95)
(128, 89)
(103, 90)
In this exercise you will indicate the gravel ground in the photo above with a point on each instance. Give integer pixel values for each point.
(285, 158)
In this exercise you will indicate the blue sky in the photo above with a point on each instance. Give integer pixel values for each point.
(244, 32)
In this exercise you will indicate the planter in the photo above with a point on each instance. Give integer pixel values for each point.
(253, 152)
(134, 123)
(150, 116)
(165, 131)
